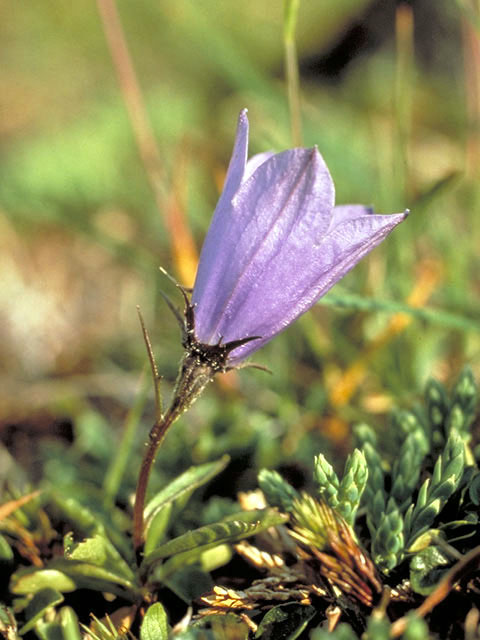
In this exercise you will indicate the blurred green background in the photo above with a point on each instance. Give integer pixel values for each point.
(390, 93)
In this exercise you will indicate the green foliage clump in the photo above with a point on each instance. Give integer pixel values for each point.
(400, 520)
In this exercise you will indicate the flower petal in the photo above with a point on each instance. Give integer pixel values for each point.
(255, 161)
(292, 285)
(344, 212)
(286, 203)
(238, 161)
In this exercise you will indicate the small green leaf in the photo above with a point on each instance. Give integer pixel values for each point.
(426, 569)
(214, 627)
(84, 520)
(69, 623)
(342, 632)
(278, 492)
(187, 482)
(417, 628)
(6, 552)
(154, 625)
(49, 630)
(69, 575)
(159, 510)
(437, 403)
(474, 490)
(157, 527)
(32, 580)
(39, 604)
(352, 485)
(285, 622)
(189, 583)
(327, 480)
(99, 551)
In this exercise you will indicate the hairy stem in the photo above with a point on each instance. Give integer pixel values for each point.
(156, 437)
(192, 379)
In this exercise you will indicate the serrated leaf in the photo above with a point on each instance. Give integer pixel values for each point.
(87, 523)
(154, 625)
(99, 551)
(285, 622)
(40, 603)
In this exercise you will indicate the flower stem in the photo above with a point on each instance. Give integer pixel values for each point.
(155, 439)
(193, 377)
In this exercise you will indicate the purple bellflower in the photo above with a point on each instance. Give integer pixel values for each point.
(276, 245)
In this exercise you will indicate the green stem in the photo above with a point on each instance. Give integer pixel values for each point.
(291, 67)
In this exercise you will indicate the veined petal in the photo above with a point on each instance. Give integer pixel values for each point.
(276, 244)
(297, 282)
(344, 212)
(285, 204)
(255, 161)
(238, 161)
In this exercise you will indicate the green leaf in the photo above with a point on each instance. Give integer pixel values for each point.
(352, 485)
(49, 630)
(187, 548)
(31, 580)
(158, 511)
(39, 604)
(83, 519)
(88, 523)
(285, 622)
(154, 625)
(426, 569)
(6, 552)
(239, 524)
(99, 551)
(437, 403)
(417, 628)
(69, 624)
(69, 575)
(186, 483)
(327, 480)
(189, 583)
(215, 627)
(474, 489)
(342, 632)
(278, 492)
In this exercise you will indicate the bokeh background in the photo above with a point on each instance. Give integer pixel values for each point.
(390, 94)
